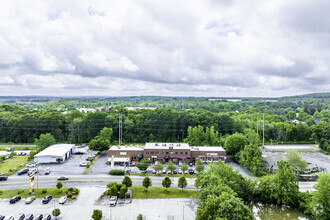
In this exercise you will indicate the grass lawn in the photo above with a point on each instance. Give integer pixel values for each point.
(158, 192)
(38, 193)
(169, 175)
(88, 168)
(6, 167)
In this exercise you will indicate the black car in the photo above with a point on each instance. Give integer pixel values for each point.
(25, 170)
(33, 171)
(47, 217)
(2, 217)
(14, 199)
(191, 171)
(38, 217)
(63, 178)
(29, 217)
(3, 178)
(47, 199)
(20, 216)
(175, 172)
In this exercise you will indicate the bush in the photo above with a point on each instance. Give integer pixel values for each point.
(44, 191)
(70, 195)
(77, 191)
(70, 189)
(97, 214)
(56, 212)
(122, 191)
(117, 172)
(139, 217)
(1, 192)
(73, 197)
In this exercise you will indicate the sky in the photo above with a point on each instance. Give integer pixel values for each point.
(218, 48)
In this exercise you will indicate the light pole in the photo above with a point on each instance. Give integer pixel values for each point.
(54, 208)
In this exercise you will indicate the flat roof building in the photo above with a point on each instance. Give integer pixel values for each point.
(164, 152)
(56, 153)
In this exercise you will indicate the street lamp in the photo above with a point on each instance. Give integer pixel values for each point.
(54, 208)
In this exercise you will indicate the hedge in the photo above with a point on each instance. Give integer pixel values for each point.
(117, 172)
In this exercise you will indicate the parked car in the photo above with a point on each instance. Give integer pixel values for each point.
(175, 172)
(113, 200)
(32, 171)
(2, 217)
(164, 171)
(10, 149)
(62, 200)
(46, 199)
(3, 178)
(11, 217)
(29, 217)
(180, 172)
(47, 217)
(90, 157)
(30, 199)
(154, 172)
(31, 164)
(22, 171)
(63, 178)
(20, 216)
(14, 199)
(84, 163)
(169, 172)
(47, 171)
(191, 171)
(38, 217)
(19, 154)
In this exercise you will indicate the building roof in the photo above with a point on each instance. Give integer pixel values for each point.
(56, 150)
(167, 146)
(207, 149)
(127, 147)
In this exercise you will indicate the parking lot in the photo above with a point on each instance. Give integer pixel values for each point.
(69, 167)
(87, 201)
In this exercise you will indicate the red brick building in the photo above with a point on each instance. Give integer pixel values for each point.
(164, 152)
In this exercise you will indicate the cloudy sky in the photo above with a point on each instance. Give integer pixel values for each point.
(176, 48)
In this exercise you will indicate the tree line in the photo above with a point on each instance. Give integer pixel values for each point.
(160, 125)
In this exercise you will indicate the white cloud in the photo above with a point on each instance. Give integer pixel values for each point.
(207, 48)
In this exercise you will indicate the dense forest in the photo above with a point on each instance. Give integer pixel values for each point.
(302, 119)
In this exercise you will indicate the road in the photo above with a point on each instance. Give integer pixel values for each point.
(22, 182)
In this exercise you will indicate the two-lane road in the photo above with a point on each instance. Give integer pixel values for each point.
(22, 182)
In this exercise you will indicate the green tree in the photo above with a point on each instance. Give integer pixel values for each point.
(171, 166)
(143, 165)
(286, 190)
(99, 144)
(182, 182)
(106, 133)
(44, 141)
(184, 167)
(97, 214)
(166, 183)
(139, 217)
(113, 190)
(122, 191)
(295, 160)
(56, 212)
(235, 143)
(158, 167)
(59, 185)
(320, 204)
(127, 181)
(199, 166)
(146, 183)
(251, 158)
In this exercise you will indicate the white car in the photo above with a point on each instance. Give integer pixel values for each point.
(62, 200)
(180, 172)
(113, 200)
(31, 165)
(84, 163)
(30, 199)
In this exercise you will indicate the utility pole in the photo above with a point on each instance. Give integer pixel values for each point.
(120, 128)
(263, 130)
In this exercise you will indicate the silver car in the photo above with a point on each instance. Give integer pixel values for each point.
(30, 199)
(62, 200)
(113, 200)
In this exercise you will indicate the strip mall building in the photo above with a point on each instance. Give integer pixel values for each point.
(164, 152)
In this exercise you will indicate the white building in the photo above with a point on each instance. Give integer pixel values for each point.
(56, 153)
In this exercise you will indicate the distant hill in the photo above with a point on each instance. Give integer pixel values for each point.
(310, 95)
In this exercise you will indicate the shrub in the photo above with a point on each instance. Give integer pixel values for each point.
(70, 189)
(122, 191)
(139, 217)
(70, 195)
(117, 172)
(97, 214)
(1, 192)
(73, 193)
(73, 197)
(44, 191)
(77, 191)
(56, 212)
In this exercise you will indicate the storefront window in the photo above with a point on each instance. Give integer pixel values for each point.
(147, 153)
(157, 153)
(181, 152)
(186, 153)
(166, 152)
(162, 153)
(176, 153)
(152, 153)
